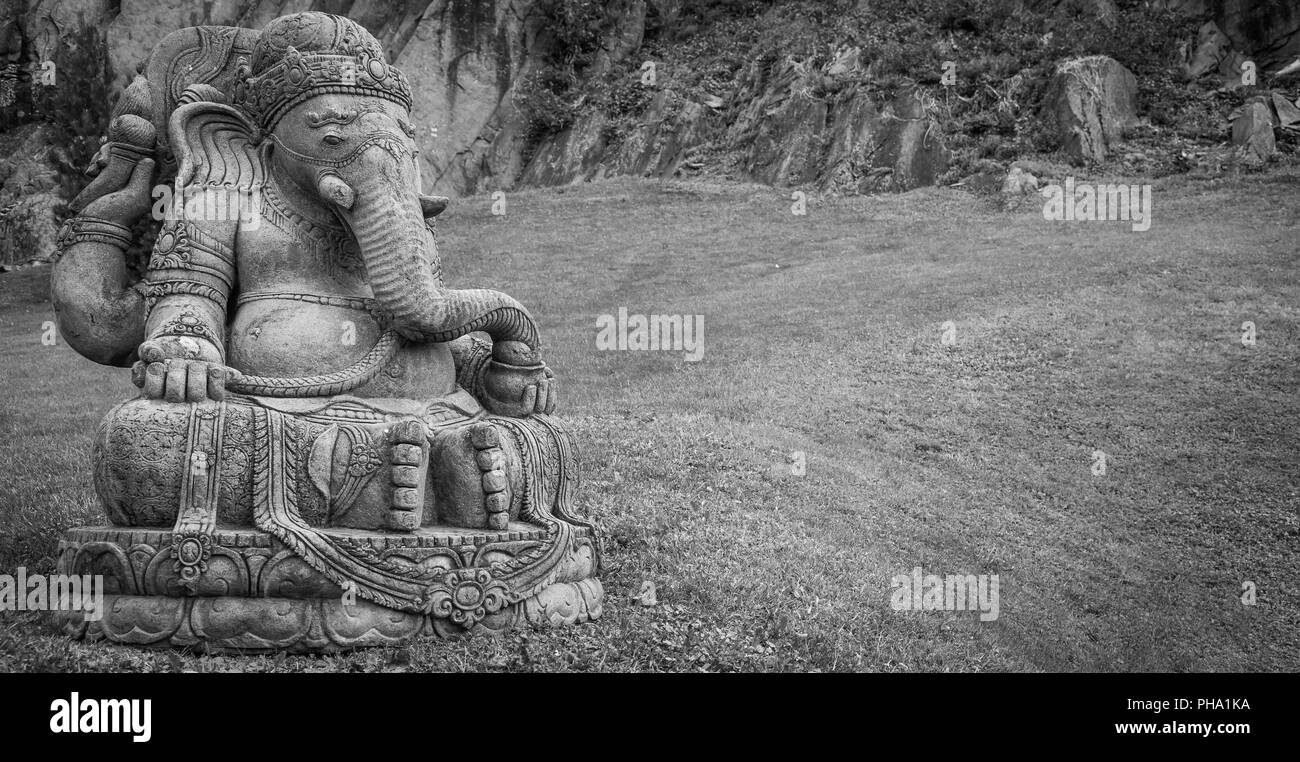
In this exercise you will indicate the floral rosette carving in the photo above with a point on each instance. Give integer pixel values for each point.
(191, 551)
(172, 249)
(364, 460)
(467, 596)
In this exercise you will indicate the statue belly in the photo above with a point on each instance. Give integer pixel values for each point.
(285, 338)
(274, 337)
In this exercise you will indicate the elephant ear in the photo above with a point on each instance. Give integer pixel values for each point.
(215, 145)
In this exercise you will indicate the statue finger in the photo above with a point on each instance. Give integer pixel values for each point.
(138, 373)
(110, 179)
(141, 175)
(196, 381)
(543, 395)
(154, 380)
(139, 186)
(553, 398)
(216, 383)
(529, 397)
(174, 386)
(151, 351)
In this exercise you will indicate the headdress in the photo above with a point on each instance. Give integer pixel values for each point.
(308, 54)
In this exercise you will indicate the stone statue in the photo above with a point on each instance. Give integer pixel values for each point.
(323, 455)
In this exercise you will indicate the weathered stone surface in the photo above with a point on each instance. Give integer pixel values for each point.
(1288, 113)
(465, 69)
(26, 168)
(387, 452)
(1191, 8)
(1019, 182)
(258, 595)
(841, 139)
(912, 142)
(1235, 31)
(786, 123)
(1211, 50)
(11, 60)
(465, 59)
(661, 143)
(28, 229)
(1252, 132)
(1093, 100)
(1267, 33)
(571, 156)
(28, 198)
(310, 626)
(462, 57)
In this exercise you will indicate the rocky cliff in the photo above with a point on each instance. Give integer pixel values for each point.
(845, 96)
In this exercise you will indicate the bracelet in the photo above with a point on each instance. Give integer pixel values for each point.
(82, 228)
(188, 324)
(153, 291)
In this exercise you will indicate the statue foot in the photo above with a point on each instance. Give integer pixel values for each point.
(406, 456)
(492, 463)
(376, 475)
(472, 477)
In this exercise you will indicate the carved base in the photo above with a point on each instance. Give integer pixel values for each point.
(254, 595)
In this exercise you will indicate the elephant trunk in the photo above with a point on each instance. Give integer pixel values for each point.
(402, 265)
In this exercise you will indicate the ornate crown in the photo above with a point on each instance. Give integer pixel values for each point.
(308, 54)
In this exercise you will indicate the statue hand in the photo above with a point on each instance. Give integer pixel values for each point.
(128, 202)
(519, 391)
(181, 369)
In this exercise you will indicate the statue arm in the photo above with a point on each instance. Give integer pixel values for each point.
(100, 311)
(191, 276)
(193, 270)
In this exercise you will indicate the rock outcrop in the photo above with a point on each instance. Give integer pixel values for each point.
(1092, 101)
(1268, 33)
(826, 121)
(465, 60)
(462, 56)
(28, 229)
(1252, 132)
(28, 196)
(798, 124)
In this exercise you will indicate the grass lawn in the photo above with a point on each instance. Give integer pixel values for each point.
(823, 336)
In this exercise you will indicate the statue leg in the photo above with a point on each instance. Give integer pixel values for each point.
(151, 456)
(397, 475)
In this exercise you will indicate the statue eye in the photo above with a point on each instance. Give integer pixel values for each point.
(332, 140)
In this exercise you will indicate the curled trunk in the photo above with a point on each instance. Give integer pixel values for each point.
(398, 250)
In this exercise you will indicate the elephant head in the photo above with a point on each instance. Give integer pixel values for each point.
(356, 157)
(333, 119)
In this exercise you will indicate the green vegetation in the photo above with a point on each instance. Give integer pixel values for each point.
(823, 335)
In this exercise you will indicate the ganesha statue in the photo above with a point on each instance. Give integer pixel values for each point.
(330, 447)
